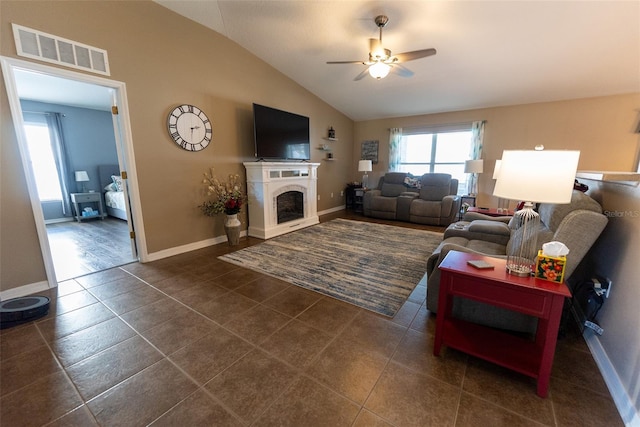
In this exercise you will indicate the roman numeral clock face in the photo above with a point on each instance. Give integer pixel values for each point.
(189, 127)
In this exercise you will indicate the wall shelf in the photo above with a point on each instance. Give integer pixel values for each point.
(627, 178)
(329, 139)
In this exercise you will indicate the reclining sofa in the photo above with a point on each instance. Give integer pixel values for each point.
(430, 199)
(577, 225)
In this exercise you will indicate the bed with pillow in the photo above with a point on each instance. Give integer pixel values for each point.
(112, 187)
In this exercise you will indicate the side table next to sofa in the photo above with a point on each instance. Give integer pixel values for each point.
(535, 297)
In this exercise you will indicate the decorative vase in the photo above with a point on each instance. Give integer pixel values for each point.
(232, 228)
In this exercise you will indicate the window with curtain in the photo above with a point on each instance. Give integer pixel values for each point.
(437, 149)
(43, 161)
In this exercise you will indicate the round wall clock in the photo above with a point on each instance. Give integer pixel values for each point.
(189, 127)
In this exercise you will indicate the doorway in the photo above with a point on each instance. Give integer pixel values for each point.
(83, 238)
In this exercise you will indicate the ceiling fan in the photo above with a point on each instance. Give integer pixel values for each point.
(381, 62)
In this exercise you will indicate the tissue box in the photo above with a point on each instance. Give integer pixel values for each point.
(550, 268)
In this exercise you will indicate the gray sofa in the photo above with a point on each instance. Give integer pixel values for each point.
(434, 203)
(577, 225)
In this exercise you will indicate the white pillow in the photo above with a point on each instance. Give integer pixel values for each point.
(110, 187)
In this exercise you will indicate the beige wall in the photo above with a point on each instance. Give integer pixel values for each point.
(616, 256)
(601, 128)
(165, 60)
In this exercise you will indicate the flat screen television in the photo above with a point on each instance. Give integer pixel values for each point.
(280, 135)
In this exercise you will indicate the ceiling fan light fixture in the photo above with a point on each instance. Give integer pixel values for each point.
(379, 70)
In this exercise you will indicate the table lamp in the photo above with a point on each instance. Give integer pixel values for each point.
(365, 166)
(534, 177)
(83, 177)
(473, 167)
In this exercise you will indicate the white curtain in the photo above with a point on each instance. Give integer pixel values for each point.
(54, 122)
(477, 133)
(395, 137)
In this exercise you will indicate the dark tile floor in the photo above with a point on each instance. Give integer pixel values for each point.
(194, 341)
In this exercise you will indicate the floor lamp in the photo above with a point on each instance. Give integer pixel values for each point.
(365, 166)
(535, 177)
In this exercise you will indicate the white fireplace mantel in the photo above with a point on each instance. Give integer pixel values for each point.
(266, 181)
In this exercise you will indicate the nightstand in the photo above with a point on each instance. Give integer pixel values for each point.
(78, 198)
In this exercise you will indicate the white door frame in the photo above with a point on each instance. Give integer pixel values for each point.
(124, 150)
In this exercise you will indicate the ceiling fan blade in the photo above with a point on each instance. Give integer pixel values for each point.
(362, 74)
(401, 70)
(347, 62)
(416, 54)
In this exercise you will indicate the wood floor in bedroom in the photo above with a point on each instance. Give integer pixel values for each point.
(80, 248)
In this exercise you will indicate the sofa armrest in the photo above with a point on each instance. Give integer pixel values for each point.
(366, 200)
(473, 216)
(372, 193)
(450, 208)
(489, 227)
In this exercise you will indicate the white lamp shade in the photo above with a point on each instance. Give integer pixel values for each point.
(82, 176)
(379, 70)
(496, 169)
(537, 176)
(473, 166)
(364, 166)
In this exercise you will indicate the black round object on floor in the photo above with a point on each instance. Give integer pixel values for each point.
(22, 309)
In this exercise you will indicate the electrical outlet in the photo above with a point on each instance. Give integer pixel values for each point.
(318, 197)
(342, 194)
(332, 195)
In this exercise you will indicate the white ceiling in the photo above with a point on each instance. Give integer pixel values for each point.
(490, 53)
(35, 86)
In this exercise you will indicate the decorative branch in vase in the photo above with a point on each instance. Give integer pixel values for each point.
(227, 198)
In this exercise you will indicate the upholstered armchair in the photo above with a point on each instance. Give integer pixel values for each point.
(437, 203)
(576, 224)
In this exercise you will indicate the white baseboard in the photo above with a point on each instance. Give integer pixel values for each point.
(620, 396)
(58, 220)
(332, 210)
(188, 248)
(24, 290)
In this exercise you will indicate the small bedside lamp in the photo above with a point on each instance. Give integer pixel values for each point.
(365, 166)
(82, 176)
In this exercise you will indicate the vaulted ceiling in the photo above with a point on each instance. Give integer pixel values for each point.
(489, 53)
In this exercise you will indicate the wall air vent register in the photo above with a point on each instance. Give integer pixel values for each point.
(35, 44)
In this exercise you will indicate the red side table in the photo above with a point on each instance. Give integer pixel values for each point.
(528, 295)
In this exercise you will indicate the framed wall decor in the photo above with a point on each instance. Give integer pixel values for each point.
(370, 151)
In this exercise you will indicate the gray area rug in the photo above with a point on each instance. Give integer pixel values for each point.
(373, 266)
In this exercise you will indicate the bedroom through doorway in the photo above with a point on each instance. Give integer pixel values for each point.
(81, 228)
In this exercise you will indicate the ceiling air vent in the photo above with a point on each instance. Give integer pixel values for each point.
(49, 48)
